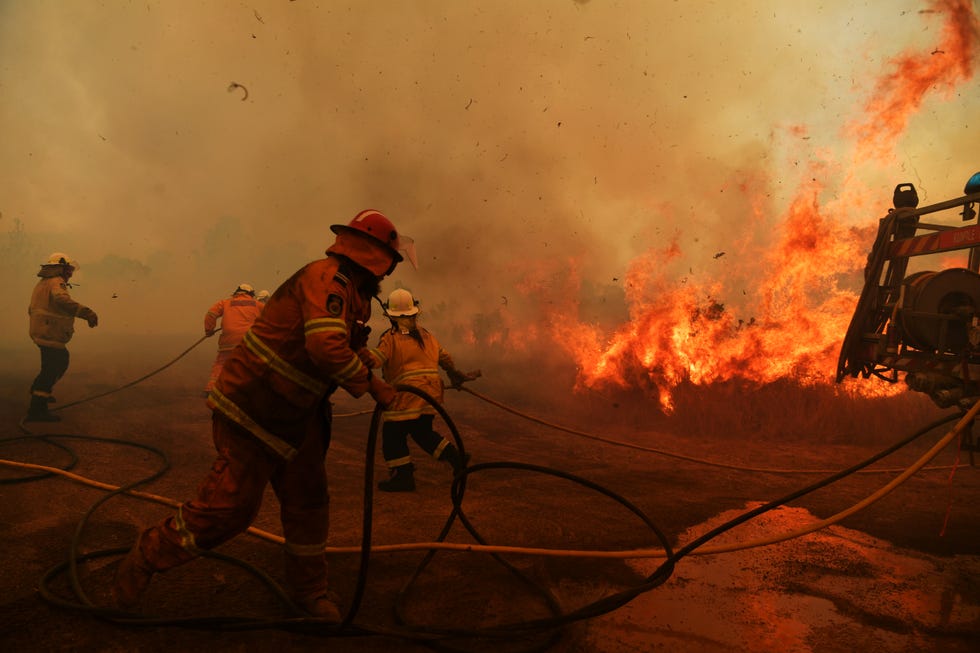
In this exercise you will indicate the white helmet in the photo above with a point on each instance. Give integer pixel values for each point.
(60, 258)
(245, 288)
(401, 304)
(262, 295)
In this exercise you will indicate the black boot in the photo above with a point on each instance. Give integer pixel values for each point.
(451, 455)
(402, 479)
(38, 412)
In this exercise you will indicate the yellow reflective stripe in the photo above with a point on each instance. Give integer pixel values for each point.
(215, 315)
(442, 447)
(349, 371)
(430, 371)
(382, 359)
(304, 549)
(325, 324)
(186, 537)
(260, 349)
(401, 415)
(398, 462)
(237, 415)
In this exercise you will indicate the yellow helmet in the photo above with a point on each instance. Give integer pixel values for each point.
(401, 304)
(60, 258)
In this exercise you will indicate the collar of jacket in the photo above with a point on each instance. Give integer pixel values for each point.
(48, 271)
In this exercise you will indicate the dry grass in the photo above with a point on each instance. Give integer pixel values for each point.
(785, 410)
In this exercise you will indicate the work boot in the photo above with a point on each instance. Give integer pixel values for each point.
(38, 412)
(132, 578)
(451, 455)
(321, 607)
(402, 479)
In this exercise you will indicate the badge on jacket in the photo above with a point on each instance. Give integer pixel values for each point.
(335, 304)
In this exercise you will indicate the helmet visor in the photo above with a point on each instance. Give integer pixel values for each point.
(406, 247)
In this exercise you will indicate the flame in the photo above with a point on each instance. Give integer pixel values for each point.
(898, 94)
(683, 332)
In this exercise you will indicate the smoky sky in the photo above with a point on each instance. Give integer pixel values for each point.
(178, 148)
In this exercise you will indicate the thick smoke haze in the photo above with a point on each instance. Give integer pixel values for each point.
(532, 149)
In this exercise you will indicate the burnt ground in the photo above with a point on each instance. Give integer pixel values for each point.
(887, 578)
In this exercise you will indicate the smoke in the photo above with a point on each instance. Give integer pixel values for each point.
(533, 150)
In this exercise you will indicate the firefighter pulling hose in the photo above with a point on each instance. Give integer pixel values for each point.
(53, 312)
(271, 417)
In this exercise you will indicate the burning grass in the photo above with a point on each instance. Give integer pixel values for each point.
(821, 413)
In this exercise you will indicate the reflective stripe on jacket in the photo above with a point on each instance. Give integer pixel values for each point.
(53, 312)
(297, 352)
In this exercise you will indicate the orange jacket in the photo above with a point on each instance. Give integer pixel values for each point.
(297, 352)
(53, 311)
(237, 314)
(404, 361)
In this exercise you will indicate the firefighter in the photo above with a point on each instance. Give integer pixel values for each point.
(262, 297)
(237, 313)
(53, 312)
(411, 355)
(271, 417)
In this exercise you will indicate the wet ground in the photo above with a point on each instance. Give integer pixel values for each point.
(902, 574)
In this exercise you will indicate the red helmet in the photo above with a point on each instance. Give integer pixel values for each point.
(374, 224)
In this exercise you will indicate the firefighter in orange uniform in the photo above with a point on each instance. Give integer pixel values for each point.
(271, 417)
(237, 313)
(411, 355)
(52, 325)
(262, 297)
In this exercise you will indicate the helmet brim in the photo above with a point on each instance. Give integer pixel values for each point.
(409, 313)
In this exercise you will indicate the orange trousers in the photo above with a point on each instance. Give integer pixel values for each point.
(219, 362)
(229, 499)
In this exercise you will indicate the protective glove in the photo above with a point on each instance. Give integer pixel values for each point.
(89, 316)
(209, 332)
(458, 378)
(382, 392)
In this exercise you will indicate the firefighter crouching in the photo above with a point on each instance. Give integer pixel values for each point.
(237, 313)
(53, 312)
(271, 418)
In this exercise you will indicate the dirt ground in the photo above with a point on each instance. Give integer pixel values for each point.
(903, 574)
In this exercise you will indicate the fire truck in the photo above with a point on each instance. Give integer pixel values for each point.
(919, 310)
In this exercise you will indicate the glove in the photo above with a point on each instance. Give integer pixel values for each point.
(89, 316)
(366, 357)
(382, 393)
(209, 332)
(458, 378)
